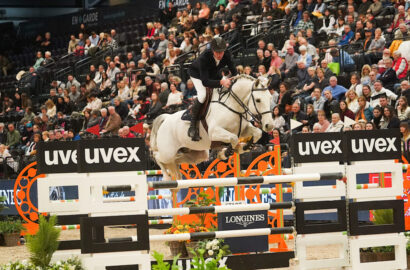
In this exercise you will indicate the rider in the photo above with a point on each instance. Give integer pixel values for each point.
(206, 71)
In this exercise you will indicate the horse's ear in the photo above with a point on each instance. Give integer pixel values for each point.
(257, 83)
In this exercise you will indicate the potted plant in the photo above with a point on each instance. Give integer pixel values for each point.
(213, 247)
(177, 247)
(199, 262)
(11, 230)
(384, 253)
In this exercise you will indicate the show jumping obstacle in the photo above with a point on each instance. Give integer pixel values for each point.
(92, 211)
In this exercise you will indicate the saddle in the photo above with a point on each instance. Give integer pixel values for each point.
(187, 115)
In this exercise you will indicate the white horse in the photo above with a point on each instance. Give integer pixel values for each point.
(228, 118)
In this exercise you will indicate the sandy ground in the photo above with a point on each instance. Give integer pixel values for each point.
(8, 254)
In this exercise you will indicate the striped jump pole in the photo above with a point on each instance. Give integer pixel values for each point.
(160, 221)
(221, 234)
(274, 190)
(159, 197)
(68, 227)
(252, 180)
(65, 201)
(118, 188)
(367, 186)
(219, 209)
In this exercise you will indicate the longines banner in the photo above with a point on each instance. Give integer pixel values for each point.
(347, 146)
(243, 221)
(105, 155)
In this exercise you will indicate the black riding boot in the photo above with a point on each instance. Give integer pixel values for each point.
(193, 131)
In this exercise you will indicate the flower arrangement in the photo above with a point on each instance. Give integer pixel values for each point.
(187, 228)
(213, 247)
(70, 264)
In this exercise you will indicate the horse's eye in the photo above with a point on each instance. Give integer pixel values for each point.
(258, 100)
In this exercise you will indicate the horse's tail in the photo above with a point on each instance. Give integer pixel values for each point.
(154, 131)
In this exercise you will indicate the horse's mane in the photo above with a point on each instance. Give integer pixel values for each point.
(244, 76)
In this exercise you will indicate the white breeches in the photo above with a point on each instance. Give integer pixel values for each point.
(200, 89)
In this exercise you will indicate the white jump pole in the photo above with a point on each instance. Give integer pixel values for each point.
(219, 209)
(240, 181)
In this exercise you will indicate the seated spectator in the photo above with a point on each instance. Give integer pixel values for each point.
(347, 35)
(79, 51)
(344, 111)
(405, 89)
(403, 109)
(163, 95)
(103, 118)
(123, 91)
(400, 65)
(331, 104)
(365, 75)
(401, 14)
(375, 8)
(72, 82)
(94, 103)
(328, 73)
(94, 38)
(305, 23)
(121, 108)
(279, 121)
(296, 114)
(304, 56)
(388, 77)
(51, 108)
(336, 125)
(13, 137)
(112, 71)
(175, 97)
(344, 59)
(190, 91)
(311, 117)
(113, 122)
(336, 90)
(5, 156)
(322, 121)
(390, 118)
(126, 132)
(154, 108)
(352, 101)
(288, 67)
(94, 119)
(365, 112)
(276, 60)
(376, 47)
(5, 65)
(378, 119)
(39, 60)
(379, 91)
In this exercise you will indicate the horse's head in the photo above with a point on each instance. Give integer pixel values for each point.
(259, 104)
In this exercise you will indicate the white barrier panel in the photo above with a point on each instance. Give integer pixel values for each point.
(101, 207)
(311, 240)
(366, 167)
(102, 260)
(399, 242)
(80, 206)
(90, 194)
(321, 192)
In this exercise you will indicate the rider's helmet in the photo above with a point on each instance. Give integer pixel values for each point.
(218, 44)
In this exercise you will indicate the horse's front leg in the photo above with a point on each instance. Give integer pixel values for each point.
(219, 134)
(250, 131)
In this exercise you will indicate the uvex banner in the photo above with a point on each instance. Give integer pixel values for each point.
(105, 155)
(57, 157)
(347, 146)
(317, 147)
(111, 155)
(377, 145)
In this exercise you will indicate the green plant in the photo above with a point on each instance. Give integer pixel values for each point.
(44, 243)
(201, 200)
(161, 265)
(199, 262)
(11, 226)
(383, 216)
(2, 200)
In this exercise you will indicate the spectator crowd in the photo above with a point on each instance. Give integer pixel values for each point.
(337, 69)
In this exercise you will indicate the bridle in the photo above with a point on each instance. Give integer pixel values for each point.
(246, 114)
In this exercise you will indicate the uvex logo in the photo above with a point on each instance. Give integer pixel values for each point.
(54, 157)
(380, 145)
(320, 147)
(107, 155)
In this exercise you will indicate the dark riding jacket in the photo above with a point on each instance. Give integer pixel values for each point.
(205, 68)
